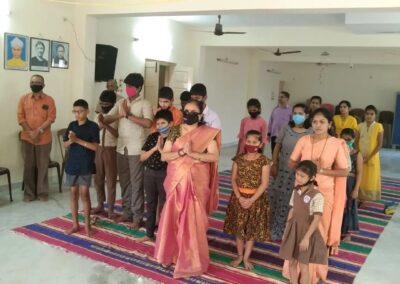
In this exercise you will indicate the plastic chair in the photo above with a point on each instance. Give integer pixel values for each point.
(5, 171)
(63, 151)
(358, 113)
(386, 118)
(329, 107)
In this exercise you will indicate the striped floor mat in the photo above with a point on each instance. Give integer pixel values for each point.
(113, 245)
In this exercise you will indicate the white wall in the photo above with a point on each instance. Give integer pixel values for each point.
(227, 86)
(41, 19)
(159, 39)
(361, 85)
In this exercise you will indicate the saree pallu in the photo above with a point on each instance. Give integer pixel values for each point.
(191, 194)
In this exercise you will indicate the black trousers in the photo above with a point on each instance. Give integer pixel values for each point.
(155, 196)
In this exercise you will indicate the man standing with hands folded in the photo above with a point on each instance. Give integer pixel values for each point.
(134, 115)
(36, 112)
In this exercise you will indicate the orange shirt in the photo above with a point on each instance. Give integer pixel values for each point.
(35, 111)
(177, 117)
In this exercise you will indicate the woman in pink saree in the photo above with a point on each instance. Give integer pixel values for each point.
(192, 152)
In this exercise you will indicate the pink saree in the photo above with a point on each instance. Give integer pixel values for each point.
(191, 194)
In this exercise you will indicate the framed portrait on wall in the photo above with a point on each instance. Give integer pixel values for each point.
(16, 50)
(40, 55)
(59, 54)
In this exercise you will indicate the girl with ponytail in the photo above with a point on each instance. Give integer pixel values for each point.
(302, 241)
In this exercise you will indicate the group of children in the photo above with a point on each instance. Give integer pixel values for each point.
(92, 151)
(247, 215)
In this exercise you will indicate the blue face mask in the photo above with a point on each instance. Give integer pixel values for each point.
(163, 130)
(298, 119)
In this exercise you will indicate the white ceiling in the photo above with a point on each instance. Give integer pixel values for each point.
(260, 20)
(358, 23)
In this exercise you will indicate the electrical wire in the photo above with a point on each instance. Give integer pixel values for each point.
(77, 41)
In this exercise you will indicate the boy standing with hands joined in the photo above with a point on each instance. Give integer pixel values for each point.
(82, 138)
(106, 157)
(155, 170)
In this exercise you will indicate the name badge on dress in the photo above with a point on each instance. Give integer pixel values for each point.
(306, 199)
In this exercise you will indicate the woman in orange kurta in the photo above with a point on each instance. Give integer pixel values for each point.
(192, 152)
(331, 156)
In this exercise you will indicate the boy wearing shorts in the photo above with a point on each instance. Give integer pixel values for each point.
(82, 139)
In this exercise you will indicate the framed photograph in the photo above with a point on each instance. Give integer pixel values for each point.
(40, 55)
(16, 50)
(59, 54)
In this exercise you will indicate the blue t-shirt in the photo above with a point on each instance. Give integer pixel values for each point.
(80, 159)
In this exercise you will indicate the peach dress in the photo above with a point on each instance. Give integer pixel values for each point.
(328, 153)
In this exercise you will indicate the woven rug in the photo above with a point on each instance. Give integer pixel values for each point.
(113, 245)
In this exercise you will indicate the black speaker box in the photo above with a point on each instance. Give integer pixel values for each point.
(106, 57)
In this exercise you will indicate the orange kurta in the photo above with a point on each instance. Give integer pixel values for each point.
(35, 111)
(329, 154)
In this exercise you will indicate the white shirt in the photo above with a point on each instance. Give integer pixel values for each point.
(132, 136)
(211, 118)
(109, 139)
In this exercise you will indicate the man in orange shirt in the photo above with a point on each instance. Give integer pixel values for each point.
(36, 113)
(165, 101)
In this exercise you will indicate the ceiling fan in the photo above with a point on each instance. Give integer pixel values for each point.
(219, 32)
(279, 53)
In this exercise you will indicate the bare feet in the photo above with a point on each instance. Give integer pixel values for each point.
(89, 231)
(97, 210)
(122, 218)
(28, 199)
(143, 239)
(237, 261)
(347, 238)
(134, 226)
(112, 215)
(44, 198)
(72, 230)
(93, 219)
(166, 265)
(247, 264)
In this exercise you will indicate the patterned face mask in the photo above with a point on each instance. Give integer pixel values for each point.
(163, 130)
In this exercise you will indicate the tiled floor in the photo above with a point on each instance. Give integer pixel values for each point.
(29, 261)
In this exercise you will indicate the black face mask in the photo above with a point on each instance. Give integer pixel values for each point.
(190, 118)
(106, 109)
(299, 186)
(254, 114)
(36, 88)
